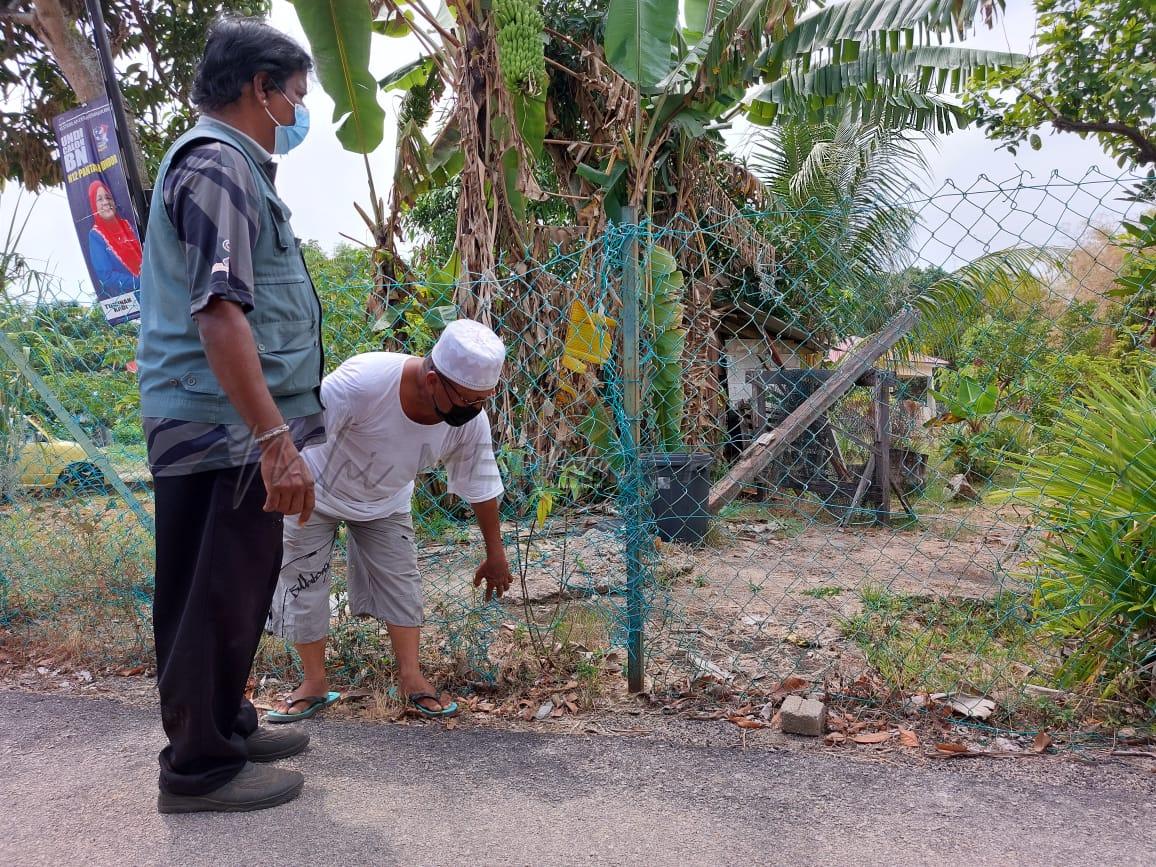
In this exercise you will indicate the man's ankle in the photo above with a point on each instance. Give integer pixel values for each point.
(410, 676)
(313, 687)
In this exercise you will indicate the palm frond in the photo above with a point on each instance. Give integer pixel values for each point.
(991, 280)
(891, 23)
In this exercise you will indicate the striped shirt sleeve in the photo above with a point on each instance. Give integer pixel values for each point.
(212, 199)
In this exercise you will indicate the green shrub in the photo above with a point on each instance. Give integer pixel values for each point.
(1093, 486)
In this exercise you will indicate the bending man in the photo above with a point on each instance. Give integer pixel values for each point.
(388, 417)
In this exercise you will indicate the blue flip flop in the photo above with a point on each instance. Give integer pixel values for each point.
(315, 703)
(415, 699)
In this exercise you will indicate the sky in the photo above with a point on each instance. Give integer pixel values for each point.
(320, 181)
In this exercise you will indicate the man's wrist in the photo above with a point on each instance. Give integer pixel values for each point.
(271, 437)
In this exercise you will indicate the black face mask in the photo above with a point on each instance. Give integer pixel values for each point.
(458, 415)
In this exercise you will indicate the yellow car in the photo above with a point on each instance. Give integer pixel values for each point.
(46, 462)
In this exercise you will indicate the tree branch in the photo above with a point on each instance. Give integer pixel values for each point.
(1144, 145)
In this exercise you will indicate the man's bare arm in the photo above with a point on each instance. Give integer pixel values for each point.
(232, 354)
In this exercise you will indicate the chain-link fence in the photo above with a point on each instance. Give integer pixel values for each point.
(901, 458)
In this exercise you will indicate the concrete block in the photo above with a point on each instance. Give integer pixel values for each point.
(803, 716)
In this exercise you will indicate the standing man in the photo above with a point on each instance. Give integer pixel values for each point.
(230, 366)
(389, 416)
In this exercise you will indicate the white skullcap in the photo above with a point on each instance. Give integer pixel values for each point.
(469, 354)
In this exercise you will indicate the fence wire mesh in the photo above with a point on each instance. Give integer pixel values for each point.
(905, 461)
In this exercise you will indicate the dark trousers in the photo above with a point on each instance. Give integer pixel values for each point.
(218, 556)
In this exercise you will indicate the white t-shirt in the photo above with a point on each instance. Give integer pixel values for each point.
(373, 452)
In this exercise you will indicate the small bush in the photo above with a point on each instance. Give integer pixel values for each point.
(1094, 491)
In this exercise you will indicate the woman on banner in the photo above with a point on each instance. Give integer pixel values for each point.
(114, 251)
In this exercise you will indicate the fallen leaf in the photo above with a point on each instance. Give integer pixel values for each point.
(703, 715)
(835, 738)
(451, 724)
(908, 738)
(798, 640)
(952, 748)
(791, 684)
(572, 707)
(744, 722)
(872, 737)
(1041, 743)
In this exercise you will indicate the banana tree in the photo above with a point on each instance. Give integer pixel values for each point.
(700, 62)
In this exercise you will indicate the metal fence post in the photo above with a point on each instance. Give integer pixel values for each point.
(632, 404)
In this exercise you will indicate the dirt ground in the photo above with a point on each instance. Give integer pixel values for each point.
(766, 595)
(732, 628)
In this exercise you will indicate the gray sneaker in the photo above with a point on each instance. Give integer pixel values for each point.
(269, 745)
(257, 787)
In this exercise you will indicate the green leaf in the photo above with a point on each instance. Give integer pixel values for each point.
(696, 11)
(396, 26)
(662, 261)
(409, 76)
(339, 32)
(605, 180)
(638, 39)
(693, 123)
(530, 116)
(511, 165)
(669, 346)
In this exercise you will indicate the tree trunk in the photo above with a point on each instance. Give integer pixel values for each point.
(78, 60)
(476, 229)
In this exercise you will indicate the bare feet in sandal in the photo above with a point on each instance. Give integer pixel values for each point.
(295, 701)
(415, 683)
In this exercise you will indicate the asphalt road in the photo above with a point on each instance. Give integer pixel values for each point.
(77, 785)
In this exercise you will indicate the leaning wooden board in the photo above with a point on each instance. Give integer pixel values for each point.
(771, 444)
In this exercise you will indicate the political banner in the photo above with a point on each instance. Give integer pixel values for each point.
(98, 197)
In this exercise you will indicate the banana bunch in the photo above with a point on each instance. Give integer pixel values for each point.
(419, 103)
(520, 46)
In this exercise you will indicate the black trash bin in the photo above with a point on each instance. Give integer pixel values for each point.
(681, 487)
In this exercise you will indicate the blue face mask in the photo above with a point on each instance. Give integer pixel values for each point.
(285, 138)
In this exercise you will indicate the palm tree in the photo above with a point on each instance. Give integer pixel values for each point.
(837, 213)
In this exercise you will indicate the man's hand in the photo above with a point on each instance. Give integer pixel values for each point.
(288, 482)
(495, 571)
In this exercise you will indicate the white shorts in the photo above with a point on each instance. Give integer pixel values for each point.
(382, 581)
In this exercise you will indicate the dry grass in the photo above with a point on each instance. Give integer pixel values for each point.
(79, 576)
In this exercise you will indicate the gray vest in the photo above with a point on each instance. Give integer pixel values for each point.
(175, 379)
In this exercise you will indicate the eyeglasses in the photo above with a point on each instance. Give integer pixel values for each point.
(453, 390)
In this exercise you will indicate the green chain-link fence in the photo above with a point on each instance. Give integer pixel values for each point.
(900, 457)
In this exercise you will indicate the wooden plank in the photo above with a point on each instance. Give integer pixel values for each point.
(771, 444)
(861, 490)
(883, 447)
(789, 376)
(910, 511)
(836, 453)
